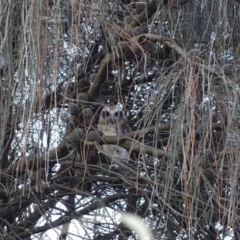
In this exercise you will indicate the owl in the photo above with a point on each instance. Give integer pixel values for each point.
(113, 122)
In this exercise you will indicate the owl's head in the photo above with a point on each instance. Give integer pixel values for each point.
(112, 114)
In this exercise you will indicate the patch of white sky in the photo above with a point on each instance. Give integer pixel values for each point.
(82, 226)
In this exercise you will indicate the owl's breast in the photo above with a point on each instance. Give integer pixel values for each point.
(113, 151)
(108, 130)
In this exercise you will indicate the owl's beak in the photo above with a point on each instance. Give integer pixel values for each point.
(113, 119)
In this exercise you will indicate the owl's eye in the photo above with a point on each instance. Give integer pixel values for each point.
(105, 114)
(118, 114)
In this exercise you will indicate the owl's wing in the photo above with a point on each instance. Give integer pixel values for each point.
(125, 128)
